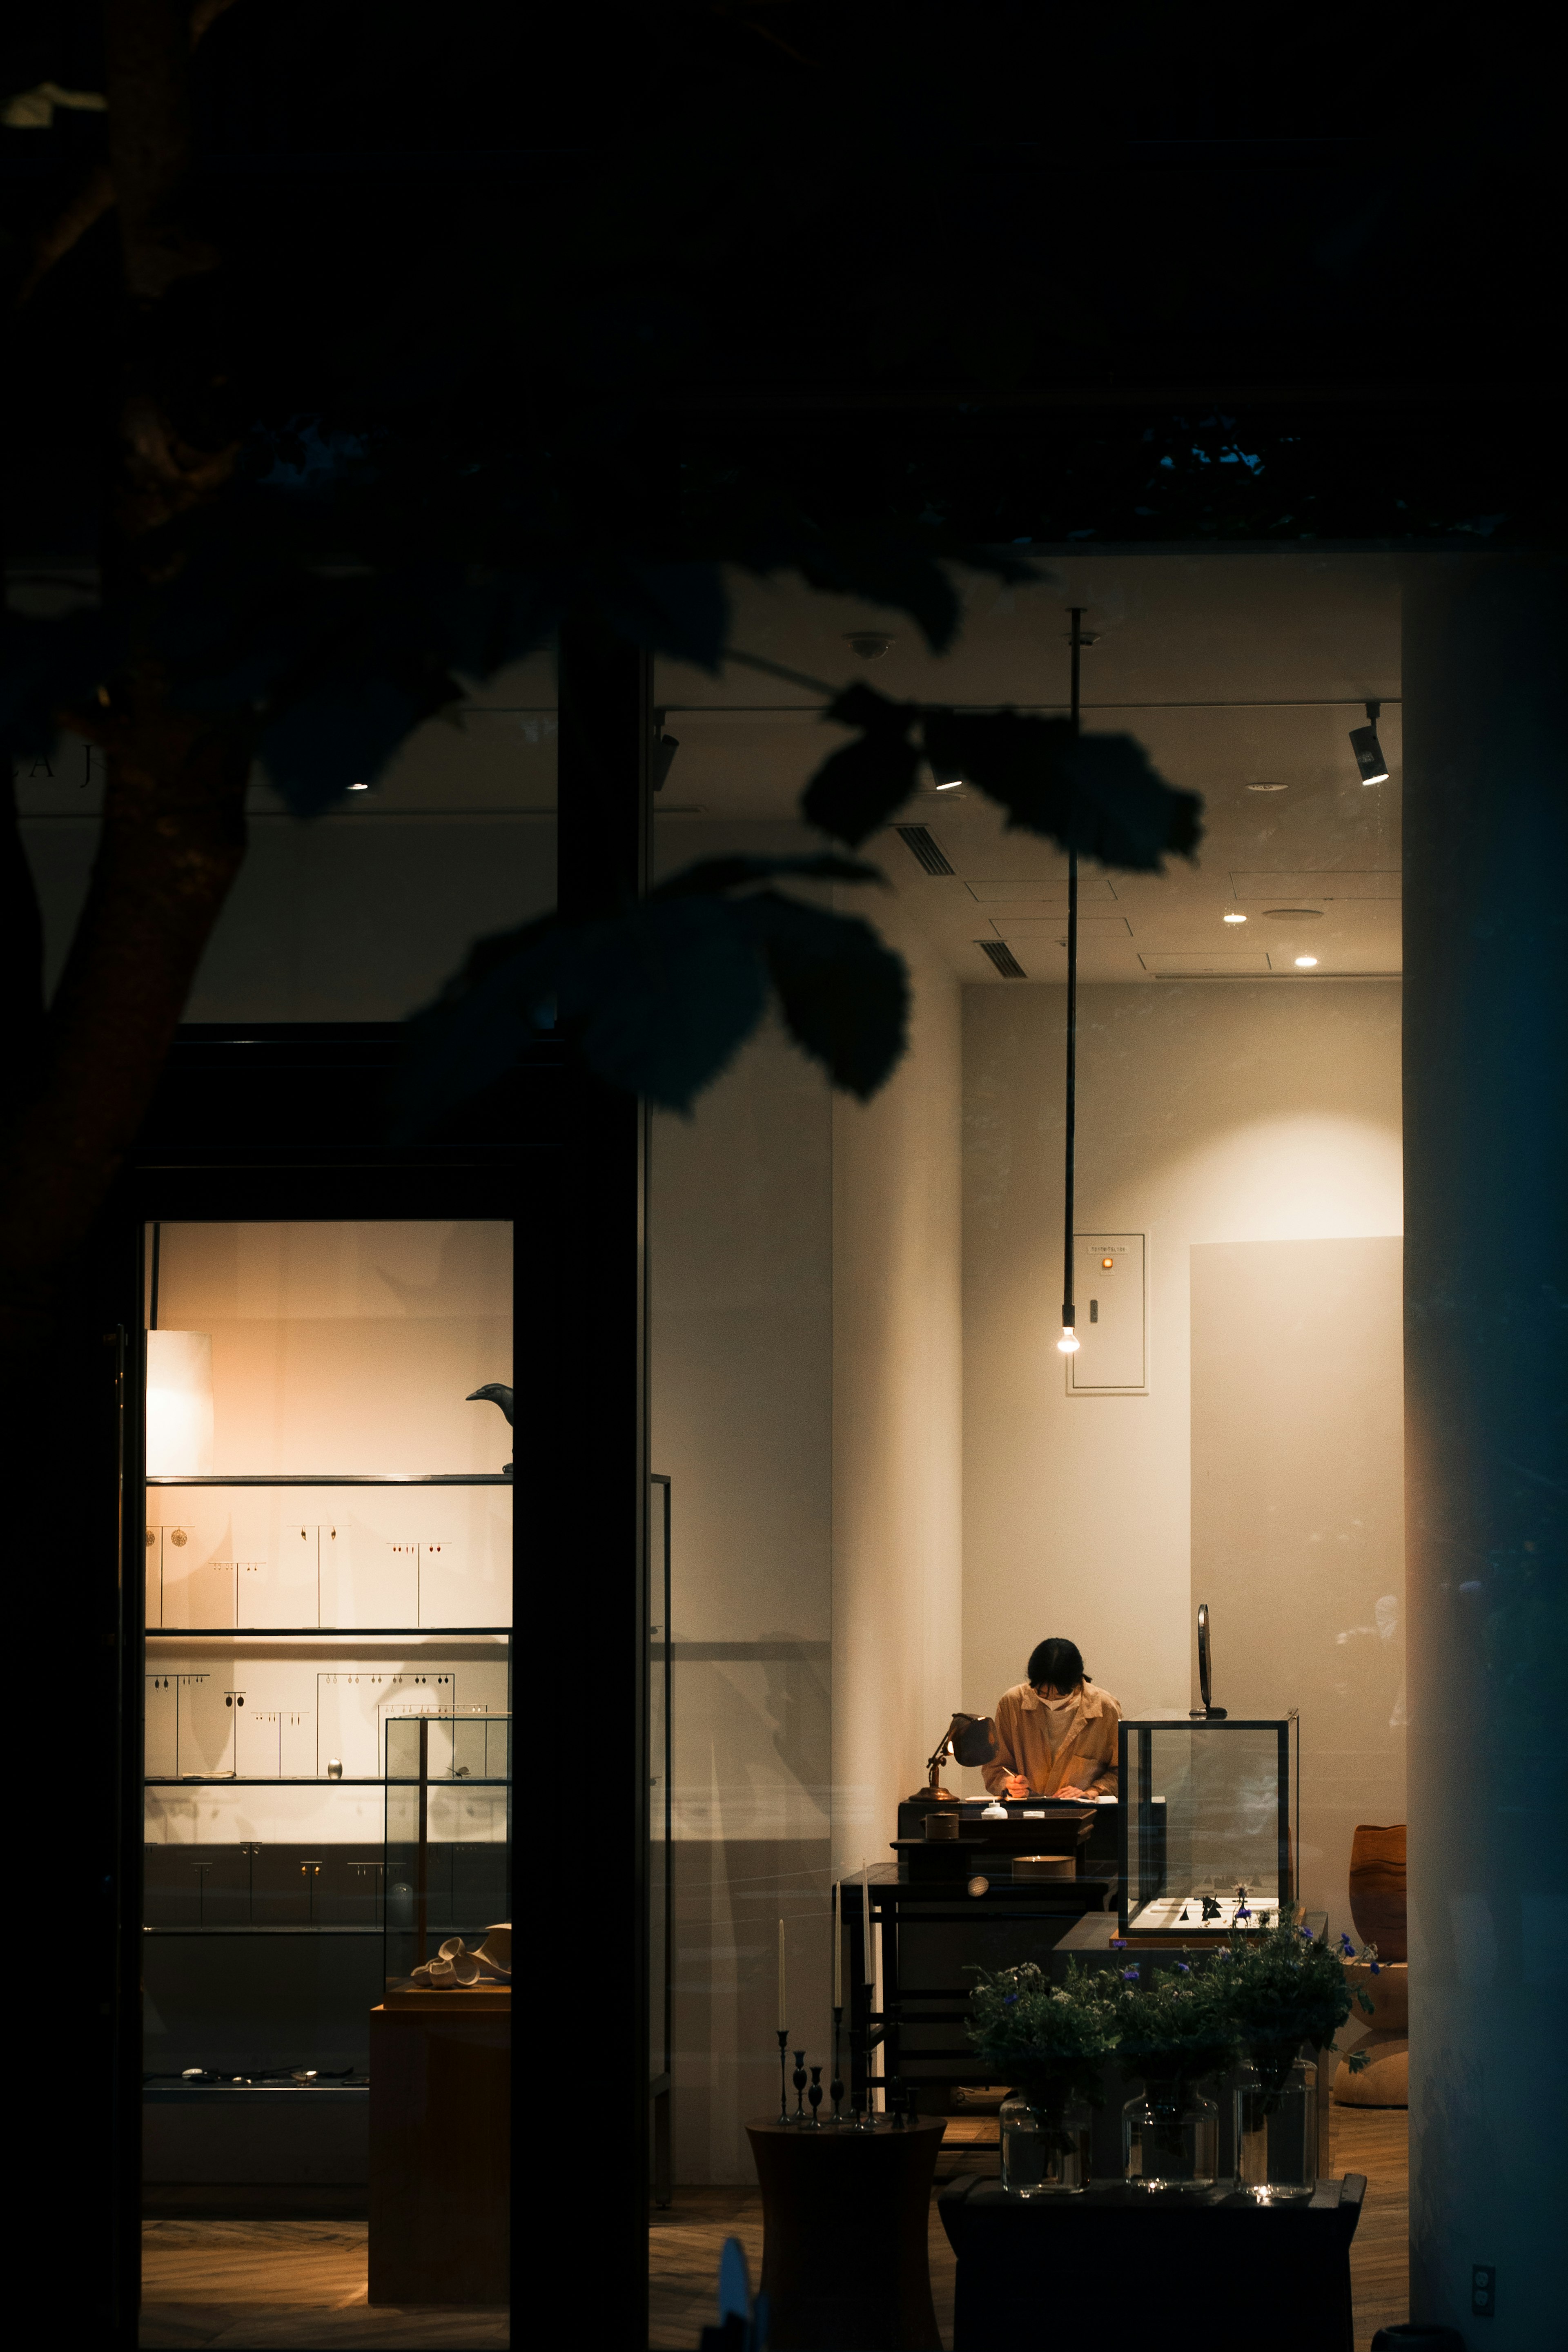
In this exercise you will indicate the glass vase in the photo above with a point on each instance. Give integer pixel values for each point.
(1277, 2128)
(1045, 2144)
(1170, 2138)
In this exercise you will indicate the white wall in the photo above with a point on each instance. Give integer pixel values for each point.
(806, 1397)
(1205, 1113)
(897, 1406)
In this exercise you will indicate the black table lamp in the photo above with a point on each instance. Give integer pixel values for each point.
(969, 1739)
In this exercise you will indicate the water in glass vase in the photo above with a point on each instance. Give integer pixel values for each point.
(1045, 2147)
(1170, 2138)
(1277, 2129)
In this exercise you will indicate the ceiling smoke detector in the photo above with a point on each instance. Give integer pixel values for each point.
(870, 644)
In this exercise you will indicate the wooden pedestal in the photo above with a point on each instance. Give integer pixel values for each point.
(440, 2153)
(845, 2217)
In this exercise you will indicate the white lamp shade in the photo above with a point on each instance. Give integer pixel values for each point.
(179, 1402)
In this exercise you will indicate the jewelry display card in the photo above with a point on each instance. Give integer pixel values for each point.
(282, 1717)
(349, 1558)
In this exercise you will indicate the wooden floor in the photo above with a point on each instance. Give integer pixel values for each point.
(300, 2283)
(684, 2241)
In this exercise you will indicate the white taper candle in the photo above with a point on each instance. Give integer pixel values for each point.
(838, 1949)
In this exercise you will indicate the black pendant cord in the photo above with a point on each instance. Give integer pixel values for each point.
(1069, 1309)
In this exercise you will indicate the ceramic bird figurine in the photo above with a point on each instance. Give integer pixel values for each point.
(495, 1392)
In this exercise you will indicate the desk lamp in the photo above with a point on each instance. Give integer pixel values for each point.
(969, 1739)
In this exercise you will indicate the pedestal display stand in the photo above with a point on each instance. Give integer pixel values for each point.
(440, 2149)
(1203, 2259)
(845, 2216)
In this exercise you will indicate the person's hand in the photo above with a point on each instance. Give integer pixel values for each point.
(1067, 1794)
(1015, 1785)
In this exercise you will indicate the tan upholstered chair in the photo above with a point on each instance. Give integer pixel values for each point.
(1377, 1908)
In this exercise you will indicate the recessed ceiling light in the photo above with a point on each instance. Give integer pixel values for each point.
(359, 788)
(1268, 788)
(1236, 918)
(1305, 964)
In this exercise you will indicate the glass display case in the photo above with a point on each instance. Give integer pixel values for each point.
(328, 1581)
(449, 1831)
(1207, 1819)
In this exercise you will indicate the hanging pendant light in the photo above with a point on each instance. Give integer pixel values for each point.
(1068, 1343)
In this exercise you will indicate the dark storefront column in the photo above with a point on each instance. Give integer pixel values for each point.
(585, 1568)
(1486, 1386)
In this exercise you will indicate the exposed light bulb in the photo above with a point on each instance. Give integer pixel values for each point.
(359, 788)
(1068, 1343)
(1305, 964)
(1236, 918)
(953, 787)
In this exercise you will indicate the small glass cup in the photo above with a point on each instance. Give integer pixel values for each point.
(1045, 2144)
(1277, 2129)
(1170, 2138)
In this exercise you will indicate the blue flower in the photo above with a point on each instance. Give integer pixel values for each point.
(1242, 1912)
(1130, 1976)
(1183, 1967)
(1346, 1946)
(1009, 2000)
(1306, 1935)
(1375, 1969)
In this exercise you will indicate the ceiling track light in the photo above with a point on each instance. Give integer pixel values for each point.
(1368, 750)
(662, 753)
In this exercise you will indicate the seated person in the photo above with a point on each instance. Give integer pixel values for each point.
(1056, 1733)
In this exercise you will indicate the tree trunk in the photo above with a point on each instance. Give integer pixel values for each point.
(172, 841)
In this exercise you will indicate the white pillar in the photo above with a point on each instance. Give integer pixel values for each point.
(1486, 1386)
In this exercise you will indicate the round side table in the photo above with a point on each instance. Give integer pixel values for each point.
(845, 2216)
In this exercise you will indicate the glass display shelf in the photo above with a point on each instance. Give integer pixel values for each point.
(306, 1927)
(327, 1478)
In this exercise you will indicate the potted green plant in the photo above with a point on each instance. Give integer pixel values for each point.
(1050, 2042)
(1287, 1994)
(1173, 2029)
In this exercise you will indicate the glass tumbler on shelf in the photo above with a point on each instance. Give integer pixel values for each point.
(1277, 2128)
(1045, 2144)
(1170, 2138)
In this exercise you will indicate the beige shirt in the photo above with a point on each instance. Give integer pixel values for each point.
(1084, 1755)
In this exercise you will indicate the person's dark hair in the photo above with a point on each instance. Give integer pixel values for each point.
(1056, 1664)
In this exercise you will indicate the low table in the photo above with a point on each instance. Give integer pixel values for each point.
(845, 2216)
(1188, 2271)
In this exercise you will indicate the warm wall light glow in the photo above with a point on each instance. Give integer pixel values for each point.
(1068, 1343)
(1236, 918)
(1305, 964)
(178, 1401)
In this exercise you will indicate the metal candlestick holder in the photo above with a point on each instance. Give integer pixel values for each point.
(783, 2088)
(861, 2115)
(799, 2079)
(836, 2087)
(814, 2097)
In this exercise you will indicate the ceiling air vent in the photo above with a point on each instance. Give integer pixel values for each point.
(923, 848)
(1002, 956)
